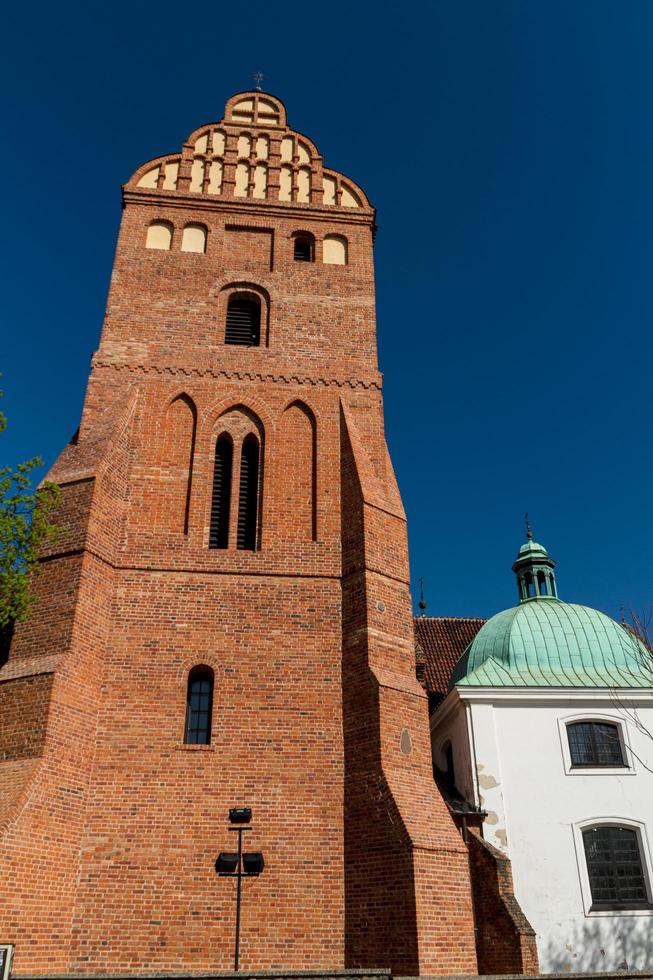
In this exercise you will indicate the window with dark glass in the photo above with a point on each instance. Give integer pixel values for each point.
(595, 743)
(303, 249)
(221, 495)
(614, 867)
(243, 321)
(199, 706)
(248, 495)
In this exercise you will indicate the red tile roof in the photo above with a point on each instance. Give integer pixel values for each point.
(443, 640)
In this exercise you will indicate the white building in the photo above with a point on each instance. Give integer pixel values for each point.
(548, 727)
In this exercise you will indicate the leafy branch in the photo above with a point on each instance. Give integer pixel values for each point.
(24, 528)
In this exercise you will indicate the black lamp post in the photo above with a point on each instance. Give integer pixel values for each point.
(239, 865)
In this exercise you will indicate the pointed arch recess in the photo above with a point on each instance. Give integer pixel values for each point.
(297, 475)
(247, 435)
(176, 453)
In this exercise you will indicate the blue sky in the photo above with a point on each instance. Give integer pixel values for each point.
(513, 286)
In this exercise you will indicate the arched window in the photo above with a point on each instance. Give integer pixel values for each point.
(199, 706)
(159, 235)
(542, 583)
(221, 496)
(530, 586)
(304, 248)
(246, 537)
(594, 744)
(614, 868)
(334, 250)
(243, 320)
(194, 238)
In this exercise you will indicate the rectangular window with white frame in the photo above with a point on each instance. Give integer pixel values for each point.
(595, 744)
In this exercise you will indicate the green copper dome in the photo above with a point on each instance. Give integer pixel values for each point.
(544, 642)
(549, 643)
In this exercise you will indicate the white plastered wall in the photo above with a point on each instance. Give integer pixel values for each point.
(519, 743)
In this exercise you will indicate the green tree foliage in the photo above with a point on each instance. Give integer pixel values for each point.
(24, 527)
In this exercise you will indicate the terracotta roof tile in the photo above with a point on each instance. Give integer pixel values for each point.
(443, 640)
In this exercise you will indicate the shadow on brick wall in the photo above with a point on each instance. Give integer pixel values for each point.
(505, 940)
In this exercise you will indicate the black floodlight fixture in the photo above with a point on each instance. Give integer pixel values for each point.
(239, 865)
(240, 814)
(227, 863)
(253, 863)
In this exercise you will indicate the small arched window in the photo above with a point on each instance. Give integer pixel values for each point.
(221, 496)
(248, 498)
(595, 744)
(243, 320)
(542, 583)
(159, 235)
(304, 248)
(334, 250)
(530, 586)
(199, 706)
(194, 238)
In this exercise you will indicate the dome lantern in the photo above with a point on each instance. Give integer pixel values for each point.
(534, 569)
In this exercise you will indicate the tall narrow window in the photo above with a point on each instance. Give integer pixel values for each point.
(243, 321)
(221, 497)
(614, 868)
(248, 497)
(199, 706)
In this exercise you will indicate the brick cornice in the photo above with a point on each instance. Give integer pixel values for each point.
(175, 370)
(247, 207)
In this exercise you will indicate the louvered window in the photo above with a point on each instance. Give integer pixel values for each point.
(248, 495)
(614, 867)
(243, 321)
(595, 743)
(303, 250)
(221, 497)
(199, 706)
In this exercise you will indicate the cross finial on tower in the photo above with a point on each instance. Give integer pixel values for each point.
(258, 78)
(422, 600)
(529, 531)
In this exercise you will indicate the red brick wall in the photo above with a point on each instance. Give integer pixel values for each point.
(504, 937)
(319, 723)
(24, 710)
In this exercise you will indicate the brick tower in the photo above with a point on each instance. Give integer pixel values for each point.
(225, 618)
